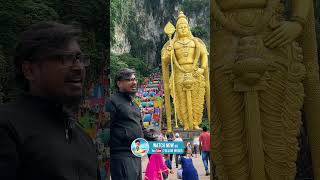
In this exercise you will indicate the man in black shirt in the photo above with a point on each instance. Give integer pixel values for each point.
(126, 126)
(39, 138)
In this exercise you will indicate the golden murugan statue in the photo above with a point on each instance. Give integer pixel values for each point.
(189, 80)
(264, 70)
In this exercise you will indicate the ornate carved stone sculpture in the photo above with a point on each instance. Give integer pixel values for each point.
(189, 79)
(264, 71)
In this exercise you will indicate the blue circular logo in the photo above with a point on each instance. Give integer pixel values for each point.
(140, 147)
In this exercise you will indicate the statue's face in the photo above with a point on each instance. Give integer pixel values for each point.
(183, 30)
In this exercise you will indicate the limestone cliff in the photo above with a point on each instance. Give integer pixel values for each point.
(137, 25)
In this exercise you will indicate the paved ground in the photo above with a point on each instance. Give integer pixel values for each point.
(197, 162)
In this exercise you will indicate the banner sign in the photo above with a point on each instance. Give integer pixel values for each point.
(166, 147)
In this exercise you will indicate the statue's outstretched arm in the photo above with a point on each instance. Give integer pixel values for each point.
(204, 58)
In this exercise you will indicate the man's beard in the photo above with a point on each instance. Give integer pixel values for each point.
(132, 92)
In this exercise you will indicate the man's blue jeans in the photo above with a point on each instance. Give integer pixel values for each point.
(205, 158)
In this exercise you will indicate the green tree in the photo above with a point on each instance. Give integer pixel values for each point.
(200, 32)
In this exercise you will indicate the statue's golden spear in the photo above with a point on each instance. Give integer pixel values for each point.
(169, 30)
